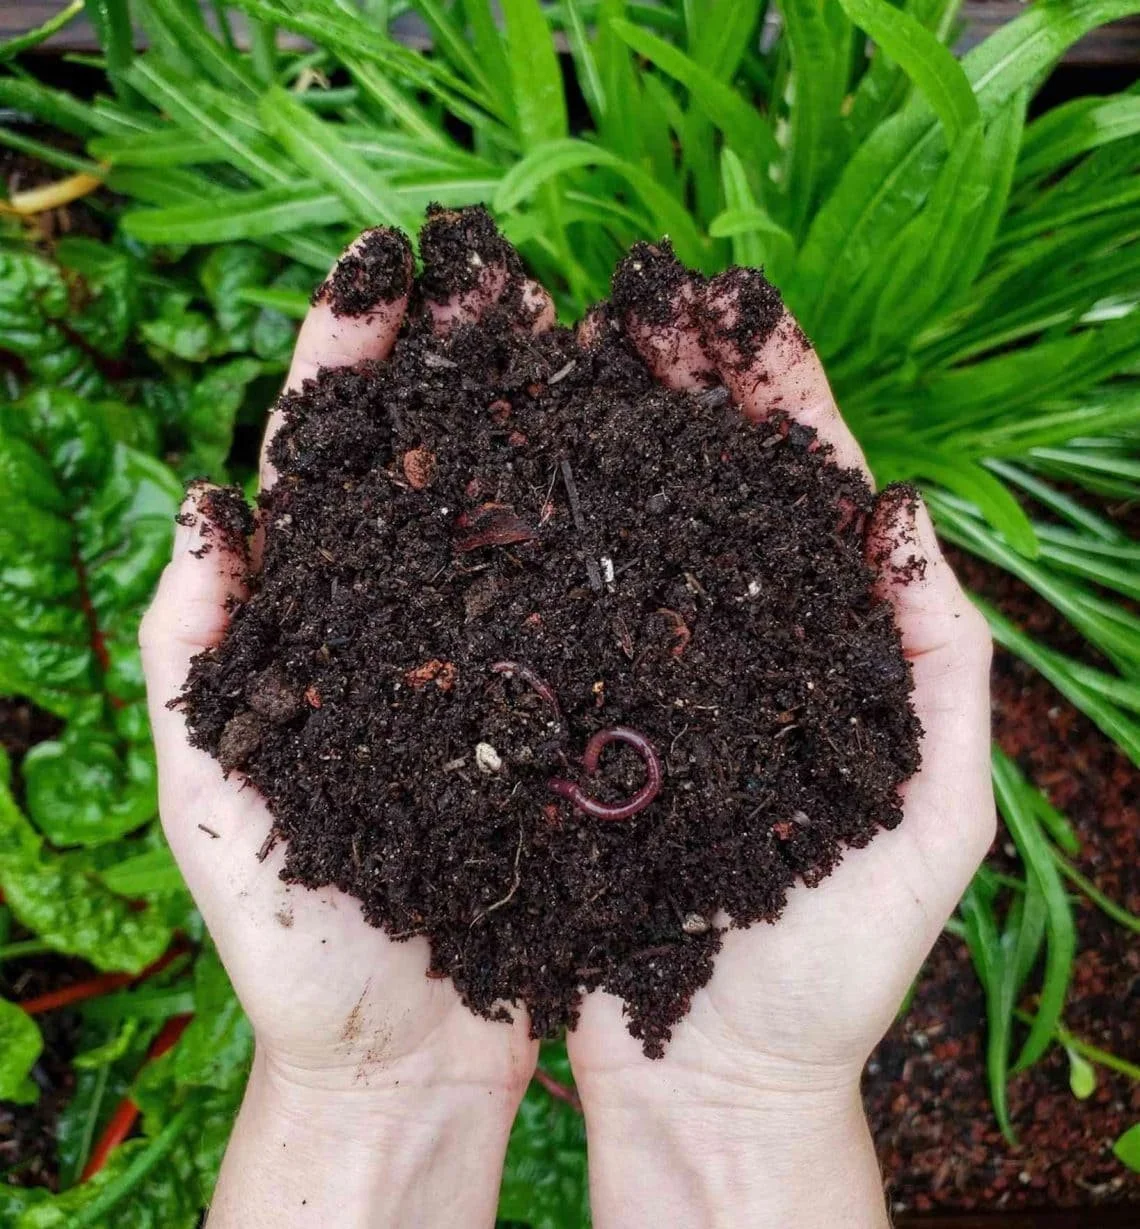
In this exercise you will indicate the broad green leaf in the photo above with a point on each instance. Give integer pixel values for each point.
(111, 1050)
(315, 147)
(144, 874)
(1127, 1148)
(1082, 1075)
(146, 1183)
(217, 1047)
(82, 789)
(69, 910)
(20, 1046)
(932, 68)
(106, 288)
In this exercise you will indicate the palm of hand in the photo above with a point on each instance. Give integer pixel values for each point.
(333, 1001)
(801, 1003)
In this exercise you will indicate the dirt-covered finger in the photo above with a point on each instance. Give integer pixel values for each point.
(356, 314)
(469, 267)
(949, 803)
(190, 613)
(767, 363)
(658, 302)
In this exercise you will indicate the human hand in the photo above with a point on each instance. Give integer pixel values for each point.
(362, 1061)
(753, 1115)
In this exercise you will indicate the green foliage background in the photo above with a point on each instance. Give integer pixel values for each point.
(970, 277)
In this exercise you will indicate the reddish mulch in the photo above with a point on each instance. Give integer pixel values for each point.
(925, 1090)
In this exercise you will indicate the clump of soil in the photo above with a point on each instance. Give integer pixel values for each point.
(481, 559)
(376, 269)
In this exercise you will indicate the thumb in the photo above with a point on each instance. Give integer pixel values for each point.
(189, 613)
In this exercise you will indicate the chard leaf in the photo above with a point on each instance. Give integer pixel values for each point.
(69, 909)
(20, 1046)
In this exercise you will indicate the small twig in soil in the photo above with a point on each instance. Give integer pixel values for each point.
(558, 1090)
(538, 685)
(572, 495)
(209, 831)
(574, 793)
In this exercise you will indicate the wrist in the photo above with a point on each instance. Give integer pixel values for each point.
(687, 1149)
(394, 1153)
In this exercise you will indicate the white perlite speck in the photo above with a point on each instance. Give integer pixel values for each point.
(487, 759)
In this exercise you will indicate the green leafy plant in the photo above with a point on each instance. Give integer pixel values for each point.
(969, 276)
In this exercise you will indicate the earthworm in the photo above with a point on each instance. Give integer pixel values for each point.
(538, 685)
(617, 810)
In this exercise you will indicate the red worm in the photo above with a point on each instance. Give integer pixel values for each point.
(539, 686)
(617, 810)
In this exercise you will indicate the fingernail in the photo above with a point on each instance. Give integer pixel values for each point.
(374, 272)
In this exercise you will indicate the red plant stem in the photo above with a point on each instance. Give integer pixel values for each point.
(126, 1113)
(94, 631)
(558, 1090)
(95, 986)
(537, 684)
(617, 810)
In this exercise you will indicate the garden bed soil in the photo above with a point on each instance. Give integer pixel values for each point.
(925, 1087)
(498, 552)
(27, 1132)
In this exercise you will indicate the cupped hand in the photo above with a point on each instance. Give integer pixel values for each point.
(772, 1049)
(333, 1002)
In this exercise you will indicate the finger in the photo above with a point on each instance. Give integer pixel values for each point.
(468, 267)
(949, 802)
(356, 314)
(767, 363)
(658, 302)
(190, 613)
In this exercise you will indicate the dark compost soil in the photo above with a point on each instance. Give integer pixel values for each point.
(482, 556)
(924, 1088)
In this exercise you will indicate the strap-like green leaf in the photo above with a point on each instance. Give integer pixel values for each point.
(314, 145)
(933, 69)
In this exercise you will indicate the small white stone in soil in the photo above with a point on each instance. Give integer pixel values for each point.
(487, 759)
